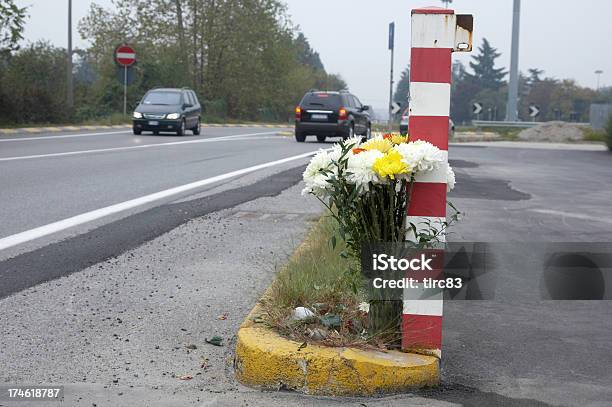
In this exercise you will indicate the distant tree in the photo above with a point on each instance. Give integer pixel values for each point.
(12, 18)
(464, 90)
(483, 65)
(402, 90)
(33, 84)
(493, 102)
(523, 92)
(244, 57)
(604, 95)
(572, 102)
(541, 94)
(446, 2)
(306, 55)
(534, 75)
(327, 81)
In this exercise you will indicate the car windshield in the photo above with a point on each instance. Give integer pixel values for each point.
(322, 101)
(162, 98)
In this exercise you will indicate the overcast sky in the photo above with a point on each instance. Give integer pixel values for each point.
(565, 38)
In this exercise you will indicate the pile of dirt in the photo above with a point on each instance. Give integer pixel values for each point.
(558, 132)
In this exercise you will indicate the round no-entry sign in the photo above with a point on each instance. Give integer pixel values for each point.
(125, 55)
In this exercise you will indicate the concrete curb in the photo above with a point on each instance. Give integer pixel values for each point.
(57, 129)
(267, 361)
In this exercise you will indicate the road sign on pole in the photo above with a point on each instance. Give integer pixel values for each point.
(534, 111)
(513, 84)
(395, 108)
(392, 49)
(125, 56)
(477, 108)
(69, 79)
(436, 34)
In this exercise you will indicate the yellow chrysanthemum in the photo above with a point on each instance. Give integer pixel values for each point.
(398, 139)
(379, 144)
(390, 165)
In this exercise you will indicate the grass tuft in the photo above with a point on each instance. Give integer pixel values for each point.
(319, 278)
(593, 135)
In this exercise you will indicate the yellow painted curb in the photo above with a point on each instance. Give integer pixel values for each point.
(55, 129)
(268, 361)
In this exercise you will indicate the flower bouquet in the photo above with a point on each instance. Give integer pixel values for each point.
(366, 186)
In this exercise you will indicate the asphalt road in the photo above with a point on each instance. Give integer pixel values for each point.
(49, 178)
(108, 308)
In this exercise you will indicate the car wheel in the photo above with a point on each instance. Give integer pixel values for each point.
(155, 132)
(197, 129)
(137, 132)
(300, 137)
(181, 131)
(321, 139)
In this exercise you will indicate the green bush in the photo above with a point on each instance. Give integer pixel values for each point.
(609, 133)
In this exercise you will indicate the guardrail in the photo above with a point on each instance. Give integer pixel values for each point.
(487, 123)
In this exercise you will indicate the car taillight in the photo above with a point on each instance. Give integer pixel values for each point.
(342, 114)
(298, 113)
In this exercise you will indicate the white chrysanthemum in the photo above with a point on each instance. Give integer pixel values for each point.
(359, 168)
(315, 180)
(450, 178)
(421, 155)
(335, 152)
(353, 142)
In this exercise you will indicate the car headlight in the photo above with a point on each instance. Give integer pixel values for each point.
(173, 116)
(137, 115)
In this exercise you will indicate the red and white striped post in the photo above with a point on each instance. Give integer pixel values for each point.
(436, 34)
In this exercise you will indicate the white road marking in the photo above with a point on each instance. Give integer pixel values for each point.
(61, 225)
(65, 136)
(572, 215)
(104, 150)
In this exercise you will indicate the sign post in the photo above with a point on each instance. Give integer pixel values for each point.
(534, 111)
(476, 109)
(125, 56)
(392, 49)
(436, 34)
(395, 108)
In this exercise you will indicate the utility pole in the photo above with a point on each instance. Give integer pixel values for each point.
(69, 84)
(392, 49)
(511, 107)
(598, 73)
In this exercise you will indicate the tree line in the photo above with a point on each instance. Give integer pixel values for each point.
(244, 58)
(485, 83)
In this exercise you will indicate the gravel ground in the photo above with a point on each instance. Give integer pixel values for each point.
(120, 331)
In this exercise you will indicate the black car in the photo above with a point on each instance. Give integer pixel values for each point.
(331, 114)
(168, 110)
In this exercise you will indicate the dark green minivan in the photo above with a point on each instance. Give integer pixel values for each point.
(168, 110)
